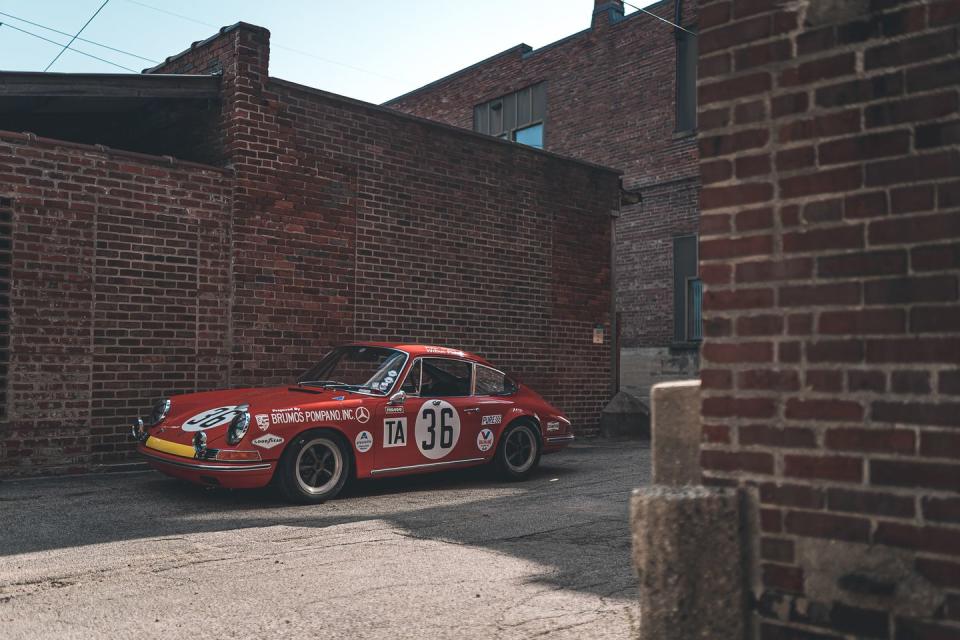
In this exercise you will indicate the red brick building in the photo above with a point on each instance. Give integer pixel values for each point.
(830, 249)
(620, 93)
(237, 225)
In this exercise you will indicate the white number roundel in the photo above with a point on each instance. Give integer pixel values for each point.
(438, 428)
(211, 418)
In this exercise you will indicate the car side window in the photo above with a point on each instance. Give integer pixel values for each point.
(443, 377)
(412, 384)
(491, 382)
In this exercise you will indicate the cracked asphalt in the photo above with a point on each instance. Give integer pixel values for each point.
(451, 555)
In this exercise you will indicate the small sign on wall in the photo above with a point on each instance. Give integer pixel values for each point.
(598, 335)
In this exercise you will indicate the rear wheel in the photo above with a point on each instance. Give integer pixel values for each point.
(519, 451)
(314, 468)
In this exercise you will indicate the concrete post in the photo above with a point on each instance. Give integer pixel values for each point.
(675, 432)
(687, 554)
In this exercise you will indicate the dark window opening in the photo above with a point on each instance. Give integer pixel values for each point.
(686, 81)
(687, 291)
(158, 115)
(412, 384)
(491, 382)
(442, 377)
(517, 116)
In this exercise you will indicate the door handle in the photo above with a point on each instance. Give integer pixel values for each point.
(471, 410)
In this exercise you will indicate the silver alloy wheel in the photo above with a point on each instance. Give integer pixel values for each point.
(319, 466)
(520, 449)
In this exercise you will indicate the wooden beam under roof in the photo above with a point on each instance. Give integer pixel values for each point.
(108, 85)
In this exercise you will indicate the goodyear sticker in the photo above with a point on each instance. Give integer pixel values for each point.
(268, 441)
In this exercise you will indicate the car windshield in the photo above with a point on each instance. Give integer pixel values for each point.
(357, 368)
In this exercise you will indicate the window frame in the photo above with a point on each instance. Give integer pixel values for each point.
(543, 132)
(688, 308)
(473, 376)
(682, 338)
(476, 368)
(378, 394)
(509, 134)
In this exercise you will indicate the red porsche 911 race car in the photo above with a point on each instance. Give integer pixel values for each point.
(365, 410)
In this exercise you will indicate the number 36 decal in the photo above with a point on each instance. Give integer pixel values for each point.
(438, 429)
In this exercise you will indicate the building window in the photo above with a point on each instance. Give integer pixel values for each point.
(686, 81)
(694, 309)
(687, 291)
(517, 116)
(531, 136)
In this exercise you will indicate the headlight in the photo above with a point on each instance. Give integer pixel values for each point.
(159, 412)
(138, 431)
(238, 428)
(200, 444)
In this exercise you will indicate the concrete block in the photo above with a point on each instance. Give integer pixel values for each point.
(625, 416)
(675, 433)
(688, 556)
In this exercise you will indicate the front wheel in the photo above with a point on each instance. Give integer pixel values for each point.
(519, 451)
(314, 468)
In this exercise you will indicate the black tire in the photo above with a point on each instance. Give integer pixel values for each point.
(314, 467)
(518, 453)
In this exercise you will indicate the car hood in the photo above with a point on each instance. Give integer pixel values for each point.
(270, 408)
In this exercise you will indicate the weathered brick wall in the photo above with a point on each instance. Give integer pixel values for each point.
(610, 100)
(830, 158)
(353, 221)
(120, 277)
(136, 277)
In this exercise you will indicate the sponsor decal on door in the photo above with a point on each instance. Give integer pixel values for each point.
(437, 429)
(394, 432)
(364, 441)
(485, 440)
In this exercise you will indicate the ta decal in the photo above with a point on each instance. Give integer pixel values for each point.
(394, 432)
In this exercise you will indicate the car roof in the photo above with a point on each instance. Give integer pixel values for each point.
(427, 350)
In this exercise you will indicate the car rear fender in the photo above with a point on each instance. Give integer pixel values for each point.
(526, 416)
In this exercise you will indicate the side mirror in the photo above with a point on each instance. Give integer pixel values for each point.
(398, 398)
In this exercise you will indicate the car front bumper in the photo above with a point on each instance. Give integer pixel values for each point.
(165, 457)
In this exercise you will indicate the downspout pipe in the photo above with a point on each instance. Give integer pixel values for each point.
(614, 319)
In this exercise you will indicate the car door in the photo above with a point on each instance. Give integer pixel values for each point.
(438, 422)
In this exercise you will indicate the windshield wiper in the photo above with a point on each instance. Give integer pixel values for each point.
(320, 383)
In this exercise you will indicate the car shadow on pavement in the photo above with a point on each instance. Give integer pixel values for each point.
(570, 517)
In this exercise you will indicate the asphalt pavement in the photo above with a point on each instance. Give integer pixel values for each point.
(451, 555)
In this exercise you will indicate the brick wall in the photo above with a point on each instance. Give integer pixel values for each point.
(610, 100)
(830, 158)
(467, 240)
(120, 267)
(335, 220)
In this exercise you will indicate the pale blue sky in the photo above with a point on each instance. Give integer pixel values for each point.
(372, 50)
